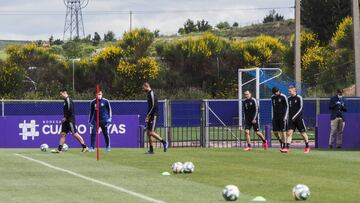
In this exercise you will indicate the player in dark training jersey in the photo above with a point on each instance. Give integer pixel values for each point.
(251, 112)
(68, 123)
(151, 118)
(279, 112)
(295, 120)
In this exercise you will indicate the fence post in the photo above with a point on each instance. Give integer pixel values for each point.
(168, 122)
(316, 136)
(165, 112)
(141, 136)
(206, 132)
(2, 108)
(204, 129)
(202, 124)
(268, 134)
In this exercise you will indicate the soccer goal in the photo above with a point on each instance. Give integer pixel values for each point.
(260, 77)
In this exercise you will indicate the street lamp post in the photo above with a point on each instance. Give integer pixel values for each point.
(73, 72)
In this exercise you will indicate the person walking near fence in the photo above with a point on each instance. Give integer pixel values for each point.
(279, 114)
(251, 111)
(151, 118)
(338, 107)
(295, 120)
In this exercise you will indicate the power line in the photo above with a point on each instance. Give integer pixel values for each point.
(116, 12)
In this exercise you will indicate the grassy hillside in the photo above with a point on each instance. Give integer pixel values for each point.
(282, 29)
(5, 43)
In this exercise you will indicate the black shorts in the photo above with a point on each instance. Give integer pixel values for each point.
(297, 124)
(279, 124)
(151, 123)
(68, 126)
(249, 125)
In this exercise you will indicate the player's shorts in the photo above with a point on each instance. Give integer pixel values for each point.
(297, 124)
(249, 125)
(68, 126)
(279, 124)
(151, 124)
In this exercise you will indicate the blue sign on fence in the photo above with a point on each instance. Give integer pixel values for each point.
(32, 131)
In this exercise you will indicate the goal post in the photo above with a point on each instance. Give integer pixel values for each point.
(257, 71)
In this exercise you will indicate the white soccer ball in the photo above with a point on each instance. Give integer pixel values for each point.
(231, 193)
(65, 147)
(44, 147)
(301, 192)
(178, 167)
(189, 167)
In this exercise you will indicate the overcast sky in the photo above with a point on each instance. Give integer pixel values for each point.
(44, 18)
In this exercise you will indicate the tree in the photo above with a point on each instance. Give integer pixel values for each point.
(109, 36)
(48, 70)
(273, 16)
(11, 79)
(58, 42)
(235, 25)
(324, 21)
(136, 43)
(203, 26)
(223, 25)
(343, 37)
(51, 40)
(181, 31)
(190, 27)
(156, 33)
(96, 39)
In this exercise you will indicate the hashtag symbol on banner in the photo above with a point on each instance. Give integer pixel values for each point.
(28, 130)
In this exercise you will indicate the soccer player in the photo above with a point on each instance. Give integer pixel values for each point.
(279, 115)
(151, 118)
(105, 114)
(295, 120)
(68, 123)
(251, 112)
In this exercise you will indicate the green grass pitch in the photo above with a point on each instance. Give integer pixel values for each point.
(332, 176)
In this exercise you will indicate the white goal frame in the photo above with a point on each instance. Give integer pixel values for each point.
(258, 83)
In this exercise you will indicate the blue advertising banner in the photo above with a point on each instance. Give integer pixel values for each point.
(351, 138)
(32, 131)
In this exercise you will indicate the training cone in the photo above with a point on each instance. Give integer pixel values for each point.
(259, 199)
(165, 173)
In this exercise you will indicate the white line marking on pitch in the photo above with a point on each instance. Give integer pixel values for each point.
(93, 180)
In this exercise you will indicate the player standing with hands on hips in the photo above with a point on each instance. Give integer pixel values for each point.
(68, 123)
(151, 118)
(251, 111)
(105, 114)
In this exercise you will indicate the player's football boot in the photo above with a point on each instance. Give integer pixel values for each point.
(265, 145)
(108, 149)
(86, 149)
(247, 149)
(150, 152)
(91, 149)
(56, 151)
(284, 150)
(306, 150)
